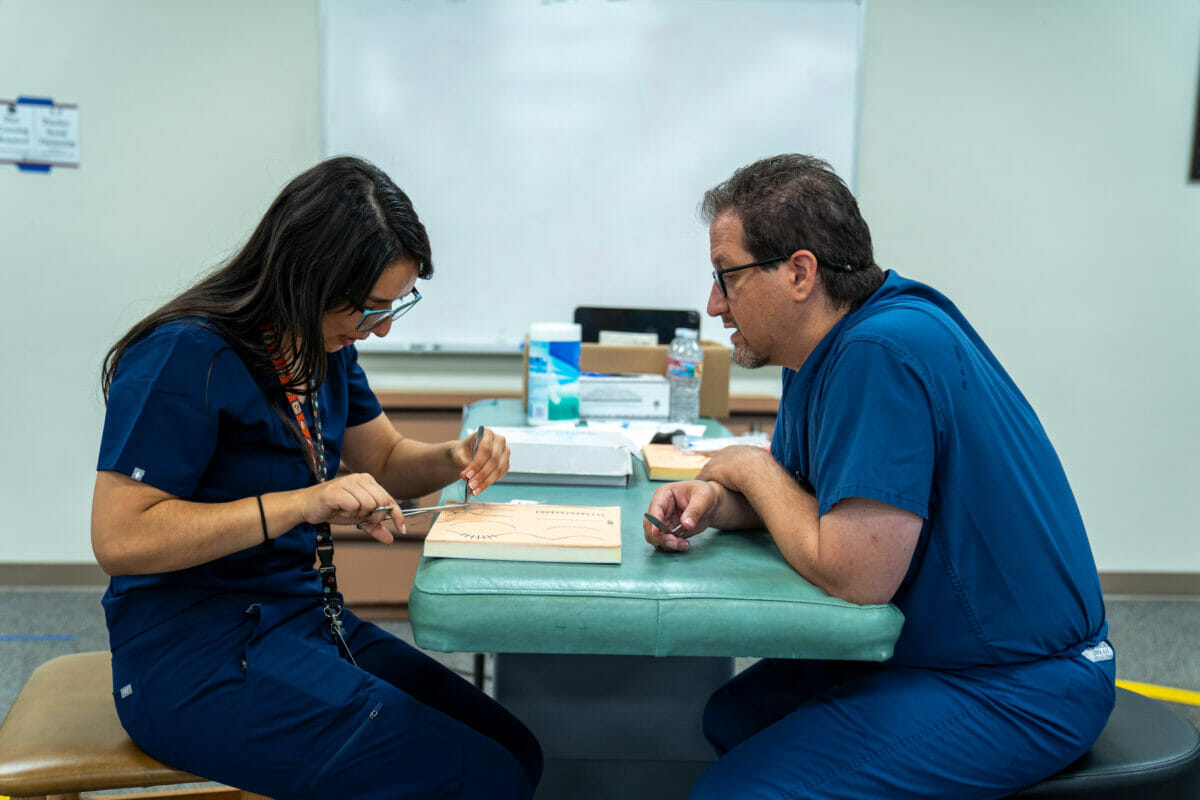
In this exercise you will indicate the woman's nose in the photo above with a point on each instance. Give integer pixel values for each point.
(382, 328)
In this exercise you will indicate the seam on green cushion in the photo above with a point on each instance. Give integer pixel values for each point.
(655, 598)
(649, 597)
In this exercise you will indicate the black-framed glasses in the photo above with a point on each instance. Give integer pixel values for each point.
(719, 274)
(373, 319)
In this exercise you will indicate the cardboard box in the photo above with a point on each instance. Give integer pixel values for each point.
(714, 381)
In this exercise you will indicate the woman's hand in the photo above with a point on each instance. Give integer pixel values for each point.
(350, 500)
(483, 459)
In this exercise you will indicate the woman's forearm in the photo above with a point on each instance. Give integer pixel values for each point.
(138, 529)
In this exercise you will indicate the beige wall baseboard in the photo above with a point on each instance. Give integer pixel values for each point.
(84, 575)
(1156, 583)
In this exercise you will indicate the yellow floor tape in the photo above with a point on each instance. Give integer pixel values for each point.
(1168, 693)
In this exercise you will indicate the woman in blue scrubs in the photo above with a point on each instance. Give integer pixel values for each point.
(230, 410)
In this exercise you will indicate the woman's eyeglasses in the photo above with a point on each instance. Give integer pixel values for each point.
(373, 319)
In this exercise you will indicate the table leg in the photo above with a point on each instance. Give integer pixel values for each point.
(613, 726)
(480, 671)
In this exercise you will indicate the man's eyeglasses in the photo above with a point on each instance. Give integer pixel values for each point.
(719, 274)
(373, 319)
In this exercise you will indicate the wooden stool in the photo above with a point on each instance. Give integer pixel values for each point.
(62, 737)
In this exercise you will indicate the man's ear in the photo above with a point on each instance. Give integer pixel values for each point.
(802, 276)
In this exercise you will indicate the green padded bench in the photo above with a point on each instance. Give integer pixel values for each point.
(610, 665)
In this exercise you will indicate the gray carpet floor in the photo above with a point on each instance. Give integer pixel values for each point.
(1156, 638)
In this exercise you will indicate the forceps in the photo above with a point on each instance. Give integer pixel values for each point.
(408, 512)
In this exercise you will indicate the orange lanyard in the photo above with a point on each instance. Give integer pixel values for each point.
(329, 594)
(316, 446)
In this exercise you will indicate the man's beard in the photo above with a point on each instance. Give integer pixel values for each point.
(746, 356)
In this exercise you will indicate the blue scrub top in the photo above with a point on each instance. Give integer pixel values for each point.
(903, 403)
(186, 416)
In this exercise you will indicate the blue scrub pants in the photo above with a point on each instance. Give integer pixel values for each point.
(805, 729)
(257, 697)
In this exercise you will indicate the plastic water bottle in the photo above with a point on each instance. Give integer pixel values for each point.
(685, 361)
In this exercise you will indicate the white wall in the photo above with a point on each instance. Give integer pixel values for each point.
(192, 116)
(1028, 158)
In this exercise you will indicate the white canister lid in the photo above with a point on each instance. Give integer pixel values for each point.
(555, 332)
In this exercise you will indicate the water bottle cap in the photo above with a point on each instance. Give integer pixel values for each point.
(687, 333)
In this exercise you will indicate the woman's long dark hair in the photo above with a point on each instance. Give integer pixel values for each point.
(321, 246)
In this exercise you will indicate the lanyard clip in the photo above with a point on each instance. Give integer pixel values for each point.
(333, 611)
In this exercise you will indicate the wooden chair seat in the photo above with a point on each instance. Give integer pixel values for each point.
(62, 737)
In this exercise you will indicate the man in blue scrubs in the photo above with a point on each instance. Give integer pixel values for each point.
(906, 467)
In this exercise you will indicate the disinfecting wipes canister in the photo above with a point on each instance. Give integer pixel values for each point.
(553, 372)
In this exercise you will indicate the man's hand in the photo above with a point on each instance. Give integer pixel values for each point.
(687, 503)
(733, 466)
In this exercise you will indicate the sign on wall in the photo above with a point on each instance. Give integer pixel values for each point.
(37, 133)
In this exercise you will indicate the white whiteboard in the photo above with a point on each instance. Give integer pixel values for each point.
(557, 149)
